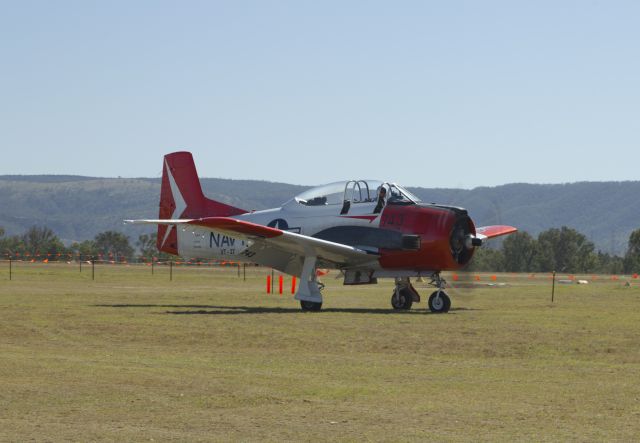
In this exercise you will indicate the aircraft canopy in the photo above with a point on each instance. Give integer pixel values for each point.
(355, 191)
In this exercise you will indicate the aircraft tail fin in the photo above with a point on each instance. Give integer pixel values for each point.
(181, 196)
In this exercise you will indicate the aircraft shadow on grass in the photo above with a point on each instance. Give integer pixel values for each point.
(241, 310)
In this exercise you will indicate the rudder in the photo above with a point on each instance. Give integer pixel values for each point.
(181, 196)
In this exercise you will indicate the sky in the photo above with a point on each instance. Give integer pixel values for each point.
(425, 93)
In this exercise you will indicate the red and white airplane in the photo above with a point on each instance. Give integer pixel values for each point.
(367, 229)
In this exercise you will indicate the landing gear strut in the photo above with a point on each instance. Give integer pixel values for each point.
(404, 294)
(309, 289)
(439, 301)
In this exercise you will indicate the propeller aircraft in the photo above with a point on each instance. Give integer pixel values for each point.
(367, 229)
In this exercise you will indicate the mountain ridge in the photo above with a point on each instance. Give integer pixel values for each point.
(79, 207)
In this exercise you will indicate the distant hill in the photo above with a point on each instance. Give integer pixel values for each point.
(606, 212)
(77, 208)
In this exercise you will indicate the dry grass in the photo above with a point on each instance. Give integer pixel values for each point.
(134, 357)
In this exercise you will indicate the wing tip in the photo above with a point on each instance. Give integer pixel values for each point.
(496, 230)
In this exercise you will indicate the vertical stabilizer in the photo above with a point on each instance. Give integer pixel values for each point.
(181, 197)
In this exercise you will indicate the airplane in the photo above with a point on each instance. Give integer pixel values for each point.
(367, 229)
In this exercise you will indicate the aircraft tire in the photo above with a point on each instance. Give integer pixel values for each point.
(311, 306)
(440, 306)
(402, 300)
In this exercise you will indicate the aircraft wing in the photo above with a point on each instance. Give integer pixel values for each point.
(485, 232)
(275, 243)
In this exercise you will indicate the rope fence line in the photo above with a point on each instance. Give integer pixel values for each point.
(574, 278)
(110, 259)
(80, 261)
(454, 278)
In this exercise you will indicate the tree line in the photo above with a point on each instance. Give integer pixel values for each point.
(42, 242)
(558, 249)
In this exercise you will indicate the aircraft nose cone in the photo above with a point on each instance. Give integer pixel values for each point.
(472, 241)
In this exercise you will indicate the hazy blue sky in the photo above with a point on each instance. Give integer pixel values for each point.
(426, 93)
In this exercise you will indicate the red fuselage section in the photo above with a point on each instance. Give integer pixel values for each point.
(441, 230)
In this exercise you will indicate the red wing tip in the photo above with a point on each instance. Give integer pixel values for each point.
(496, 231)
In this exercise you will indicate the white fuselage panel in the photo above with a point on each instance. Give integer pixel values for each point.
(198, 242)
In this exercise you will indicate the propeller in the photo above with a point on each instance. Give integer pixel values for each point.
(462, 241)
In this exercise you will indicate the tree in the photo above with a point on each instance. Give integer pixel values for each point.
(487, 260)
(85, 249)
(147, 245)
(7, 244)
(41, 241)
(632, 257)
(565, 250)
(610, 264)
(113, 244)
(10, 246)
(519, 250)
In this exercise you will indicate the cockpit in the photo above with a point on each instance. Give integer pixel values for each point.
(355, 192)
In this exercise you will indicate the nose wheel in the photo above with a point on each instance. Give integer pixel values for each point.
(439, 301)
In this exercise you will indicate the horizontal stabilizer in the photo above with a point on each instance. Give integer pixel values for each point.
(226, 224)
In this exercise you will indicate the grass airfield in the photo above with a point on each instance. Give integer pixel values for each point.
(208, 356)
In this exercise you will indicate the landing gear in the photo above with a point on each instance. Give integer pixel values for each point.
(401, 299)
(404, 294)
(309, 288)
(310, 306)
(439, 301)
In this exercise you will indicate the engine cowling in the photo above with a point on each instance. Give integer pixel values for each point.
(446, 237)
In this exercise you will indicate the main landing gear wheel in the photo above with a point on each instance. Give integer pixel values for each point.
(402, 299)
(310, 305)
(439, 304)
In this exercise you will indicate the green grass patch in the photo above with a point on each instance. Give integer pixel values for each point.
(132, 356)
